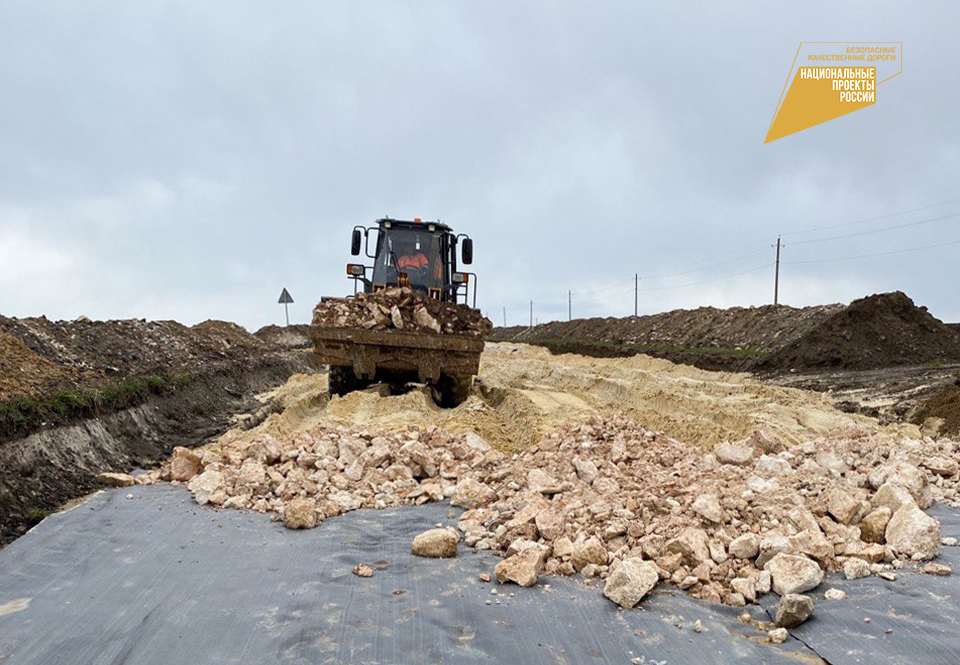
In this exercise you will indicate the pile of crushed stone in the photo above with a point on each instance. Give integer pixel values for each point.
(400, 309)
(610, 498)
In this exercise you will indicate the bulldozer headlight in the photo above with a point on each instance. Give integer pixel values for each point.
(355, 270)
(460, 278)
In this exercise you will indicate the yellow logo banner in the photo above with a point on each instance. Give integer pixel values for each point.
(831, 79)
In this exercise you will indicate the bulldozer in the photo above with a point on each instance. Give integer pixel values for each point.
(408, 254)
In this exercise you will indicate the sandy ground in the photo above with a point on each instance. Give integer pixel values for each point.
(524, 391)
(890, 394)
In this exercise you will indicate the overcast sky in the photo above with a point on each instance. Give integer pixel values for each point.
(189, 159)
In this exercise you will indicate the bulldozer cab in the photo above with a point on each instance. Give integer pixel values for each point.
(415, 254)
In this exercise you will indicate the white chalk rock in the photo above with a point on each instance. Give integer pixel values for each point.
(631, 581)
(793, 574)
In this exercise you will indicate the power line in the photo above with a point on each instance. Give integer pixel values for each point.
(552, 304)
(621, 293)
(707, 281)
(868, 256)
(870, 219)
(880, 230)
(601, 289)
(746, 252)
(606, 291)
(740, 257)
(557, 304)
(737, 254)
(634, 289)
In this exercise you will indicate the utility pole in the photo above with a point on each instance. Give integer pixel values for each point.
(531, 315)
(504, 317)
(776, 279)
(569, 305)
(636, 291)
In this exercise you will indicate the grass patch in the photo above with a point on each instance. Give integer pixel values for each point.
(36, 515)
(935, 364)
(644, 348)
(20, 417)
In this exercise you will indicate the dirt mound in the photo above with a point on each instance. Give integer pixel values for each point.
(945, 406)
(295, 336)
(884, 330)
(760, 329)
(24, 373)
(400, 309)
(879, 331)
(90, 353)
(223, 336)
(58, 372)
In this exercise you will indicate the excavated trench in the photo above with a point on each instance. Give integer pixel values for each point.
(51, 466)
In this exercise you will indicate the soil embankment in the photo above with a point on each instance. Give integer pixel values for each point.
(888, 330)
(884, 330)
(81, 397)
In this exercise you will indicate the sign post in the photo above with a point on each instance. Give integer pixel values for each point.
(285, 300)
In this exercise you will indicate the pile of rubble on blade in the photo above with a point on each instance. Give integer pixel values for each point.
(612, 499)
(400, 309)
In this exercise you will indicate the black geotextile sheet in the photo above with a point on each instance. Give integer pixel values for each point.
(157, 579)
(912, 620)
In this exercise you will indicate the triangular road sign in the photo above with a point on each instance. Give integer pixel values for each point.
(285, 298)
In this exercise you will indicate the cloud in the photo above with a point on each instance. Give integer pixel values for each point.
(190, 161)
(29, 265)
